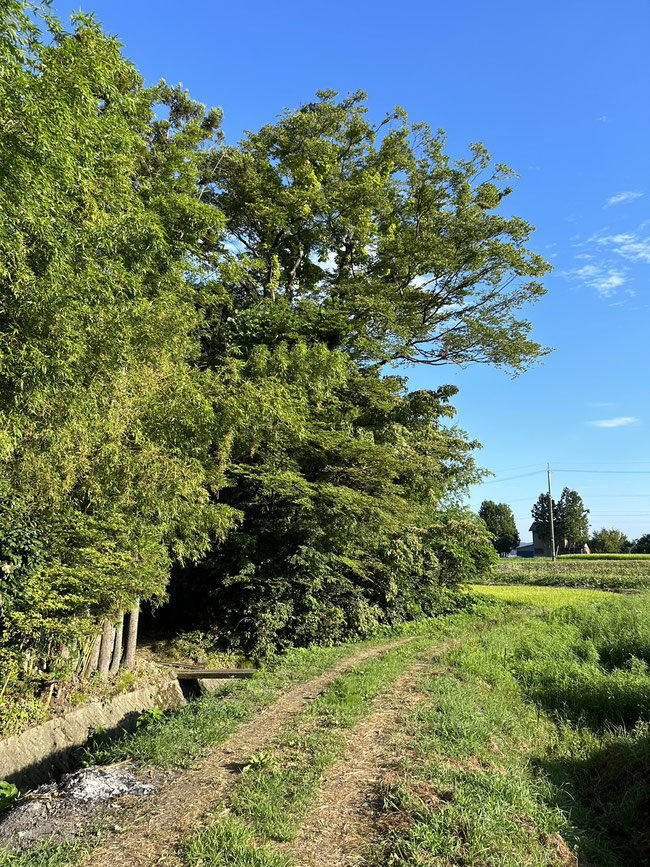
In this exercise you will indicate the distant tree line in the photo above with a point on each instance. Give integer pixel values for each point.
(571, 526)
(198, 355)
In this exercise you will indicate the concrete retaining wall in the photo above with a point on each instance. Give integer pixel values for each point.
(44, 752)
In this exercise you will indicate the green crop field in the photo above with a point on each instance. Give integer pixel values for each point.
(590, 572)
(587, 557)
(546, 597)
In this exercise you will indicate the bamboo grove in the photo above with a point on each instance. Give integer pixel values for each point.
(203, 359)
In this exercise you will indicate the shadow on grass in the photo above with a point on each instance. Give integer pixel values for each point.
(608, 791)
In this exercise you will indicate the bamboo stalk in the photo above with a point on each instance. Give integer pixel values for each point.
(106, 649)
(117, 647)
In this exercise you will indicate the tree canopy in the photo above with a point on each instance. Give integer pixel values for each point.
(107, 424)
(609, 541)
(203, 348)
(572, 519)
(501, 525)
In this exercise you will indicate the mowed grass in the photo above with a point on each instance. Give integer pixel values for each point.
(596, 573)
(546, 597)
(281, 783)
(535, 744)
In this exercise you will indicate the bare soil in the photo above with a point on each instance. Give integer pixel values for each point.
(154, 826)
(340, 825)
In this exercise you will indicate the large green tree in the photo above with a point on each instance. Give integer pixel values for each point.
(501, 525)
(364, 246)
(541, 514)
(374, 239)
(609, 541)
(642, 545)
(107, 424)
(572, 519)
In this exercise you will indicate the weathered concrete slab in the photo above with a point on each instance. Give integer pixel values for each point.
(44, 752)
(211, 684)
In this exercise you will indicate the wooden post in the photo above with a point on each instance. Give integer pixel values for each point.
(550, 506)
(132, 636)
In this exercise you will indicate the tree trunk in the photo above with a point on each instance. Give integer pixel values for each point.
(106, 649)
(91, 668)
(132, 636)
(117, 648)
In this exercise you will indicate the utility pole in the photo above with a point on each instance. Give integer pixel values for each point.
(550, 506)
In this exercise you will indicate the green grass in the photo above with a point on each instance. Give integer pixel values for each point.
(548, 597)
(538, 735)
(180, 737)
(280, 783)
(48, 855)
(591, 557)
(589, 573)
(230, 844)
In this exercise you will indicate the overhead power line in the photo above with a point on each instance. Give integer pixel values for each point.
(607, 472)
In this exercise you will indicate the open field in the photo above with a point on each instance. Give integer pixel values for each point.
(516, 735)
(534, 595)
(591, 557)
(588, 573)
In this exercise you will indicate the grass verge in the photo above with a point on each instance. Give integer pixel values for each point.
(534, 746)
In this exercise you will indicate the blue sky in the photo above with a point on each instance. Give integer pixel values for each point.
(558, 91)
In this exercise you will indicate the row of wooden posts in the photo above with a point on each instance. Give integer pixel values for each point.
(114, 647)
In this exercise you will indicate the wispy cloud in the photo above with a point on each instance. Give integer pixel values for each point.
(622, 421)
(603, 279)
(623, 197)
(630, 245)
(599, 405)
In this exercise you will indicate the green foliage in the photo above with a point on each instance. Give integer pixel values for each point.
(642, 545)
(375, 239)
(501, 525)
(541, 514)
(609, 542)
(8, 794)
(106, 430)
(572, 522)
(150, 718)
(193, 348)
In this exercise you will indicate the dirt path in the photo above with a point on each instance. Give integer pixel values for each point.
(340, 825)
(156, 825)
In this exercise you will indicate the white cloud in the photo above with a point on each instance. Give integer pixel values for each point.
(633, 246)
(615, 422)
(603, 279)
(623, 197)
(599, 405)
